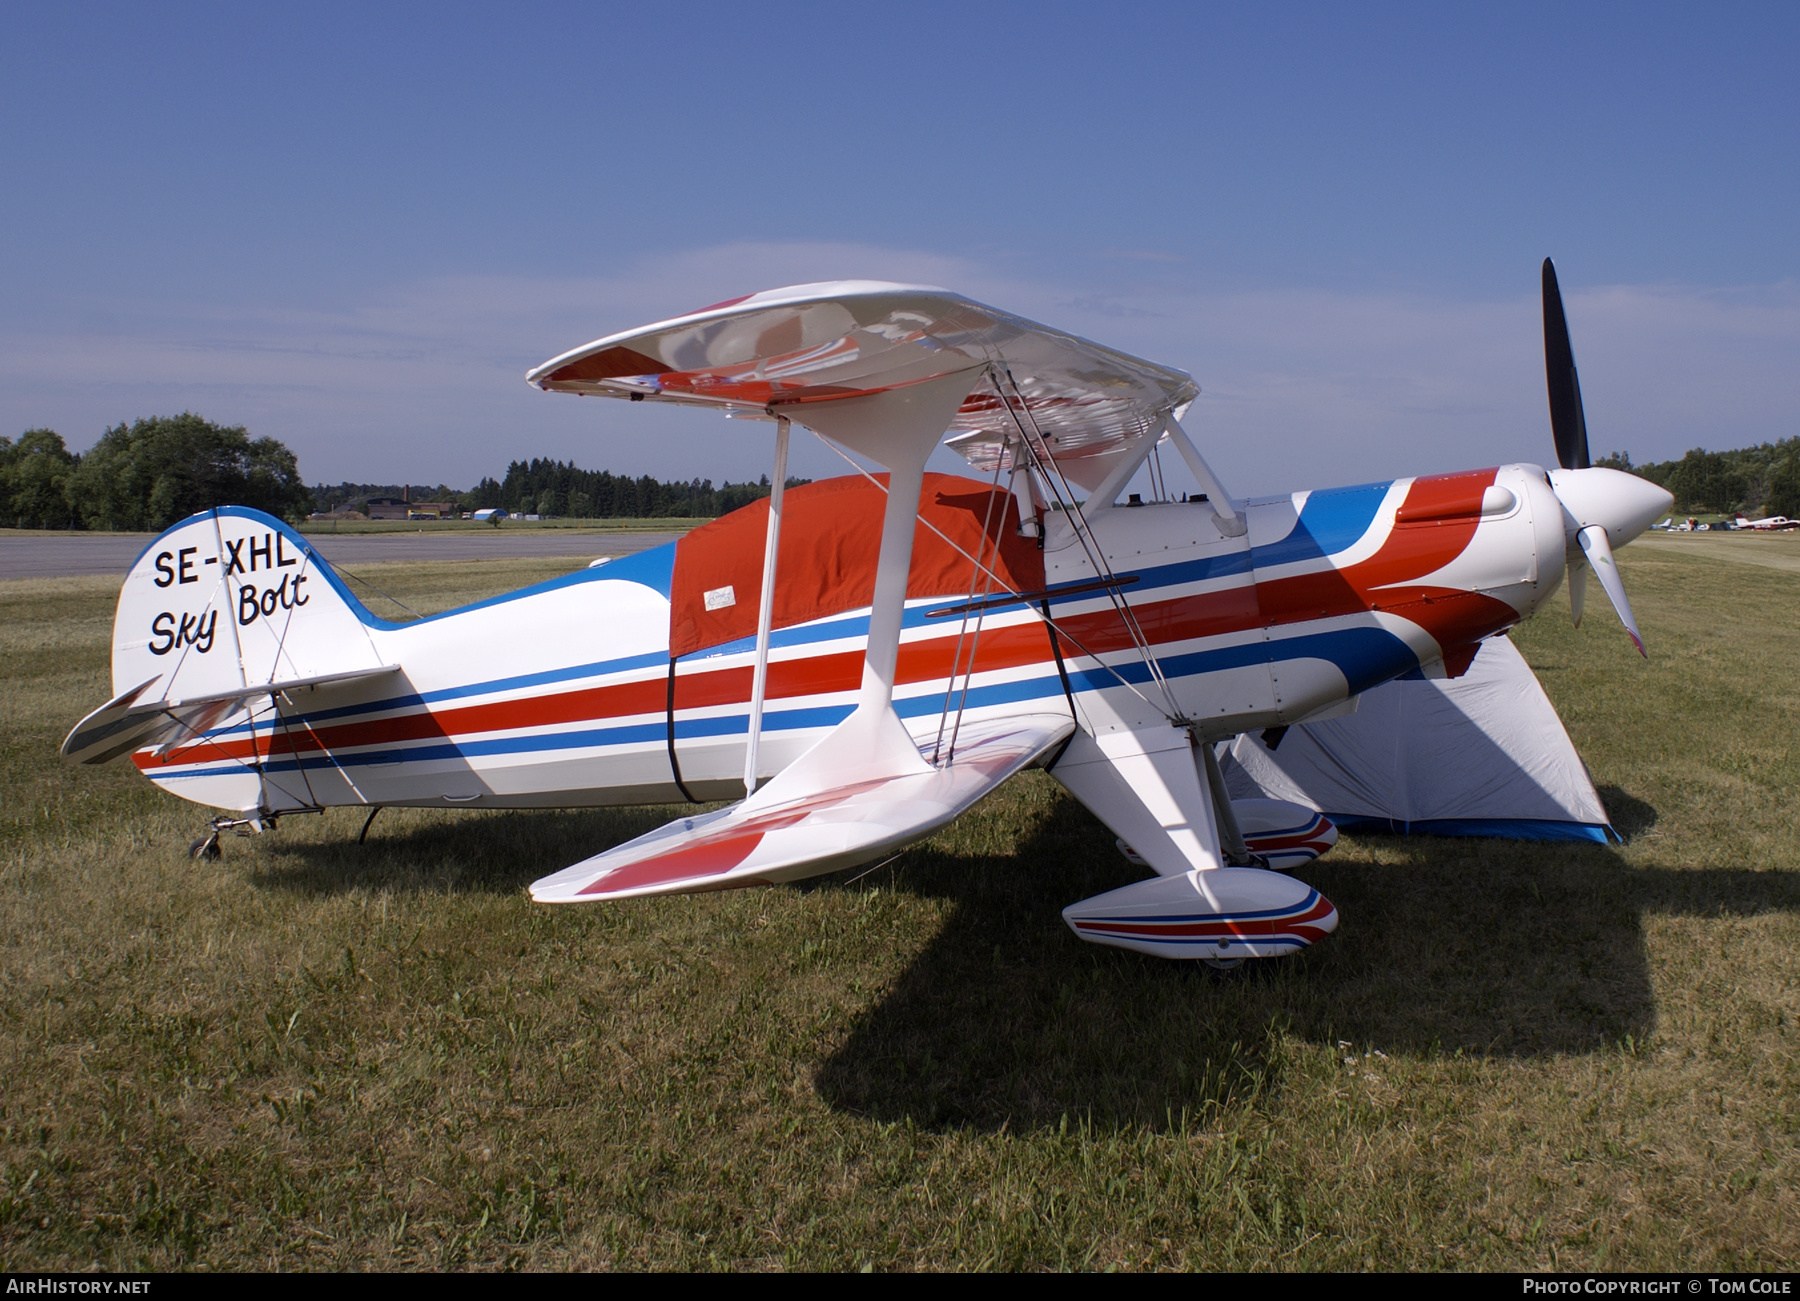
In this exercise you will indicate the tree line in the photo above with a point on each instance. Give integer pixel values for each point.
(545, 487)
(1760, 480)
(145, 476)
(151, 473)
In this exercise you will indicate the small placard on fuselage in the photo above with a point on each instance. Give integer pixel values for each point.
(719, 598)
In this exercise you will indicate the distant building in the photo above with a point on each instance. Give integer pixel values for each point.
(401, 508)
(490, 513)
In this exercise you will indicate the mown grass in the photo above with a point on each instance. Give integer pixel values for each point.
(1510, 1056)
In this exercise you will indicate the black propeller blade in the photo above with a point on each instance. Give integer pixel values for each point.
(1567, 423)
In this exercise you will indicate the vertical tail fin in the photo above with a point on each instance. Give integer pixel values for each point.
(232, 599)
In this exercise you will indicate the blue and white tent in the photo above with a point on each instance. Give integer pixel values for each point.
(1479, 755)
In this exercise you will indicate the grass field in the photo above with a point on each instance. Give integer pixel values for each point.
(1509, 1056)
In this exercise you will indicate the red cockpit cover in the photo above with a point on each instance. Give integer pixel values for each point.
(830, 538)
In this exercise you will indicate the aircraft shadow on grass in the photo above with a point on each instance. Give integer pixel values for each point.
(1490, 948)
(1482, 947)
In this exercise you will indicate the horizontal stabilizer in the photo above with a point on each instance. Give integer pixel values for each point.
(127, 723)
(285, 684)
(813, 828)
(115, 728)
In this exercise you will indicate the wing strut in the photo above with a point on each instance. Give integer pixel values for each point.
(1231, 524)
(765, 612)
(898, 428)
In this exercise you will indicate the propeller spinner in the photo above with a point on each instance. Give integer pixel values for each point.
(1602, 508)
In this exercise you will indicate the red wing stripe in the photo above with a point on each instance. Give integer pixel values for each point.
(690, 862)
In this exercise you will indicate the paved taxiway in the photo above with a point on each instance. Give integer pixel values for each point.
(70, 555)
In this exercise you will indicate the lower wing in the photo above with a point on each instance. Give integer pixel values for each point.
(809, 832)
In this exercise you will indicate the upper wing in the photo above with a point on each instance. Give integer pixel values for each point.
(817, 343)
(819, 830)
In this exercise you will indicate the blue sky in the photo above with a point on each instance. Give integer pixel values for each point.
(355, 227)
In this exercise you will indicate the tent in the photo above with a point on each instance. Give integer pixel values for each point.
(1483, 754)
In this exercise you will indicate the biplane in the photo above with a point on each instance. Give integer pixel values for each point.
(856, 662)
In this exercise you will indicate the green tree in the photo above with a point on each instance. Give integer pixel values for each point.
(609, 496)
(1784, 487)
(34, 481)
(151, 473)
(1746, 479)
(1708, 481)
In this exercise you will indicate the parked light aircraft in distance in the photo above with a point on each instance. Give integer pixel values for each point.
(860, 660)
(1768, 524)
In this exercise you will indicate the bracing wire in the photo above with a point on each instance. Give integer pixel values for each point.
(975, 575)
(286, 724)
(872, 870)
(264, 759)
(326, 751)
(383, 595)
(1059, 485)
(287, 730)
(1070, 637)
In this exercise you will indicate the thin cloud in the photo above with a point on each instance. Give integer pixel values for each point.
(1299, 388)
